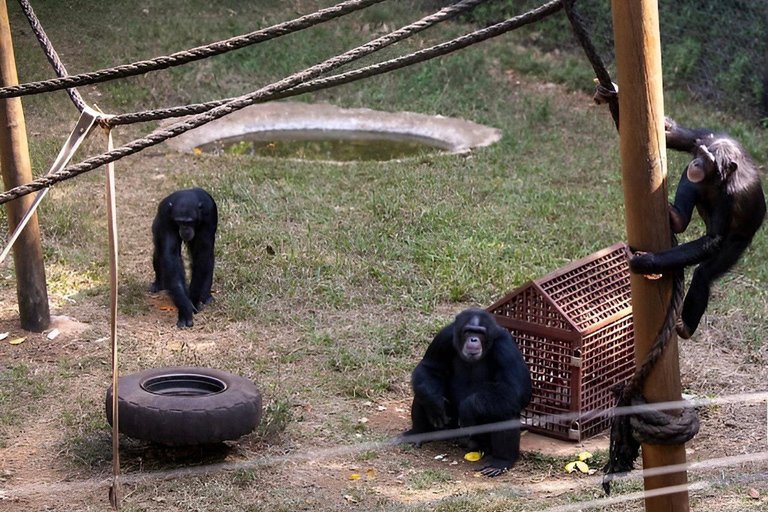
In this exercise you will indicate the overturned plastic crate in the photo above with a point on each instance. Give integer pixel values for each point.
(574, 328)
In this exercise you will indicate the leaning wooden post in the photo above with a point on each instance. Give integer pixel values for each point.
(644, 175)
(16, 169)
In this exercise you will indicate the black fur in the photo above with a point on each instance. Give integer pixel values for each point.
(473, 374)
(189, 217)
(729, 199)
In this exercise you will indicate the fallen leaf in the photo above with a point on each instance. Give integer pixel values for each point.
(381, 408)
(754, 494)
(175, 346)
(441, 456)
(370, 473)
(584, 456)
(473, 456)
(354, 476)
(166, 308)
(350, 498)
(197, 151)
(53, 334)
(17, 341)
(3, 336)
(363, 420)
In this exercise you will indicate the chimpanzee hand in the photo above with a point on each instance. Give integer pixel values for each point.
(644, 263)
(437, 415)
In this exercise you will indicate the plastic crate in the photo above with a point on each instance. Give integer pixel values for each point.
(574, 328)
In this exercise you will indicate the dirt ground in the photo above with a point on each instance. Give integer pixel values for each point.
(35, 476)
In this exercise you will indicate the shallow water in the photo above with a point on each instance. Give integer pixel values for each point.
(334, 145)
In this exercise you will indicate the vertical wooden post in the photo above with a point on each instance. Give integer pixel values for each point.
(17, 170)
(644, 174)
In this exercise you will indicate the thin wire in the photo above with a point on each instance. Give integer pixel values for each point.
(260, 461)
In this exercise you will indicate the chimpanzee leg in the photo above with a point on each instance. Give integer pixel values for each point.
(697, 298)
(505, 449)
(503, 446)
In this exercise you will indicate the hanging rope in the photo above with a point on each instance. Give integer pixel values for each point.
(648, 425)
(164, 134)
(49, 51)
(607, 92)
(191, 55)
(114, 489)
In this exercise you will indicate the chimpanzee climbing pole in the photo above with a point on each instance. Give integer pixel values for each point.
(17, 170)
(643, 169)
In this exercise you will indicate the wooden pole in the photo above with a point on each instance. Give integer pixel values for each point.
(644, 174)
(16, 169)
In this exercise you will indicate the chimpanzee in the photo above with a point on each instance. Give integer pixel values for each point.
(473, 374)
(723, 183)
(188, 216)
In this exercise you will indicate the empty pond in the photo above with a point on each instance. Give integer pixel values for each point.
(329, 133)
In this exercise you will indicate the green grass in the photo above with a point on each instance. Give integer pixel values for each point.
(330, 279)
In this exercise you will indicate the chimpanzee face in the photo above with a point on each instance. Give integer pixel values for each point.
(472, 343)
(715, 159)
(186, 215)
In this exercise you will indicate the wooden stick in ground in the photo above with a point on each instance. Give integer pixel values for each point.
(31, 290)
(643, 169)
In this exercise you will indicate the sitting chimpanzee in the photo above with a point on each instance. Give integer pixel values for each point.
(723, 183)
(188, 216)
(473, 374)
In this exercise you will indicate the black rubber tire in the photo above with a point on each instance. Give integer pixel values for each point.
(174, 420)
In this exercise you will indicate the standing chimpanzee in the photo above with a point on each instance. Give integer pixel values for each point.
(723, 183)
(188, 216)
(473, 374)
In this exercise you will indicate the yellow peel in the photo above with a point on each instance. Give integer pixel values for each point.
(584, 456)
(17, 341)
(354, 476)
(473, 456)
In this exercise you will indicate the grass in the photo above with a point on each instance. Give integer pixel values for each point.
(330, 279)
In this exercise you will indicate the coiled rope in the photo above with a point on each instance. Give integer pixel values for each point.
(648, 425)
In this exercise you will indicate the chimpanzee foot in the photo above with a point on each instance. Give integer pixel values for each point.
(155, 287)
(184, 322)
(683, 330)
(494, 467)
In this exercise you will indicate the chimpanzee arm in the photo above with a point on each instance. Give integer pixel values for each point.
(691, 253)
(173, 276)
(683, 139)
(430, 378)
(201, 249)
(686, 197)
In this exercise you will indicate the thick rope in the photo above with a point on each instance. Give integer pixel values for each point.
(606, 91)
(191, 55)
(49, 51)
(345, 58)
(648, 426)
(164, 134)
